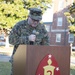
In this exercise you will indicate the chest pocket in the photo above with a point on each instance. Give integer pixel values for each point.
(24, 32)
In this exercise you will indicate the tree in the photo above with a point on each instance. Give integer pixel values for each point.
(43, 4)
(71, 18)
(11, 11)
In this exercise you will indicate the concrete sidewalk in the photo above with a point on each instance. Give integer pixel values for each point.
(72, 60)
(6, 51)
(4, 58)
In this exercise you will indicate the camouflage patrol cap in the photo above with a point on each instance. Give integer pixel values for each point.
(35, 13)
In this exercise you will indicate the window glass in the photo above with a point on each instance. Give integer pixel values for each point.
(47, 27)
(71, 38)
(60, 5)
(58, 37)
(59, 21)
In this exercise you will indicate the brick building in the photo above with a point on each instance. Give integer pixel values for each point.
(58, 30)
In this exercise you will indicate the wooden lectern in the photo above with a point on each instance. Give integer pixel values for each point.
(28, 57)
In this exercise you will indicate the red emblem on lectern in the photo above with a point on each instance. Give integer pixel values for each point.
(48, 66)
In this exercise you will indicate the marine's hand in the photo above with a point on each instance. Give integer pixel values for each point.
(32, 37)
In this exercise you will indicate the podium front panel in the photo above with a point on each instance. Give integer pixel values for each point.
(27, 58)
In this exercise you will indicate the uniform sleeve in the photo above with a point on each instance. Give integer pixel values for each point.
(15, 36)
(45, 40)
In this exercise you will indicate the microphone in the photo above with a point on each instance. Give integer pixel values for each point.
(31, 43)
(34, 33)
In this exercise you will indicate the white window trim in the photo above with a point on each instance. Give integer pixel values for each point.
(61, 5)
(58, 37)
(59, 21)
(47, 27)
(71, 36)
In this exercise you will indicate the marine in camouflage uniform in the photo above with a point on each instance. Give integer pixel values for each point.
(21, 31)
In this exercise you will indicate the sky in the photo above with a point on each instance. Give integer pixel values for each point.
(48, 15)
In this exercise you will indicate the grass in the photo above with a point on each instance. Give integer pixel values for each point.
(72, 70)
(72, 67)
(5, 68)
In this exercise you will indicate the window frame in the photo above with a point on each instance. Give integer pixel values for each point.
(61, 5)
(71, 36)
(47, 26)
(58, 37)
(59, 21)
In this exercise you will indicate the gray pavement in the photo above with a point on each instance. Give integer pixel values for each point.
(4, 58)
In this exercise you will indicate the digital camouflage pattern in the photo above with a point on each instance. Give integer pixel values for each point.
(20, 32)
(35, 13)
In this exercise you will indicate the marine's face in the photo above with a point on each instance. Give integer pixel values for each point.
(33, 22)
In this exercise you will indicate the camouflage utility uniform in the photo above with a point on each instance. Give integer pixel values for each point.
(19, 35)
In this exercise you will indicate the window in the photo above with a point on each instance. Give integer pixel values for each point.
(71, 38)
(60, 5)
(58, 37)
(47, 27)
(59, 21)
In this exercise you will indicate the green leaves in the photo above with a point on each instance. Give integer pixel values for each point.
(72, 29)
(37, 3)
(71, 18)
(13, 11)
